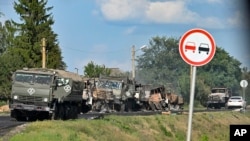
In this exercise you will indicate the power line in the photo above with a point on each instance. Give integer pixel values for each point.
(101, 51)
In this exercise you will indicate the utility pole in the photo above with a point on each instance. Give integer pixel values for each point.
(43, 53)
(76, 70)
(133, 62)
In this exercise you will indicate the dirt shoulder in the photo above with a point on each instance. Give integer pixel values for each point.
(4, 108)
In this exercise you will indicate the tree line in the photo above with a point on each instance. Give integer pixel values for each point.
(162, 64)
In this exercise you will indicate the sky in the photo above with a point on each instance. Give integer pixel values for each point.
(104, 31)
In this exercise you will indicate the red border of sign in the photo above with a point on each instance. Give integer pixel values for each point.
(181, 49)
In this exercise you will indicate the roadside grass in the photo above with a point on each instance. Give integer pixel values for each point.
(207, 126)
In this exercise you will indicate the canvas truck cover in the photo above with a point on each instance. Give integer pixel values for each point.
(60, 73)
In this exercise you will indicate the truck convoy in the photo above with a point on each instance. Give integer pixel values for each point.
(40, 93)
(119, 94)
(218, 97)
(45, 93)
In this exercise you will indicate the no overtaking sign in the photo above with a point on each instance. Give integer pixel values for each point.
(197, 47)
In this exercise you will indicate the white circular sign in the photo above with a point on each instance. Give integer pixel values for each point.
(243, 83)
(197, 47)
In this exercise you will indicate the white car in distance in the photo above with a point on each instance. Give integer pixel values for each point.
(236, 102)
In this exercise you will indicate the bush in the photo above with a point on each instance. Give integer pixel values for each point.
(3, 103)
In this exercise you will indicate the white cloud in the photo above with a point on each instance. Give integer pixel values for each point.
(170, 12)
(157, 11)
(122, 9)
(145, 10)
(167, 11)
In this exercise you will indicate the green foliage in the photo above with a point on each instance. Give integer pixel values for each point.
(3, 34)
(20, 43)
(36, 24)
(162, 64)
(204, 138)
(92, 70)
(2, 103)
(163, 128)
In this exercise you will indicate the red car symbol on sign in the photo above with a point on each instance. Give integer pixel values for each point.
(190, 46)
(203, 47)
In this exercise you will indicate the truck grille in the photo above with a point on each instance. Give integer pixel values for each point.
(215, 97)
(30, 98)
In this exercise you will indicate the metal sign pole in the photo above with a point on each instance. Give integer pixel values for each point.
(243, 84)
(191, 104)
(243, 93)
(244, 89)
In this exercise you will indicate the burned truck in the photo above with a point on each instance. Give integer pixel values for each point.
(107, 93)
(39, 93)
(159, 98)
(119, 94)
(218, 97)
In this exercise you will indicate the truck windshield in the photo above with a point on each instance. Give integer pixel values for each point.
(33, 78)
(218, 91)
(110, 84)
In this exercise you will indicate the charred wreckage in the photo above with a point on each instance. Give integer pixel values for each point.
(121, 94)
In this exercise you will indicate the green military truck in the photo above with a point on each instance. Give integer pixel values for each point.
(45, 93)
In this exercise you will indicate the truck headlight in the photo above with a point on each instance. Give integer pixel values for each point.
(15, 97)
(45, 99)
(128, 94)
(137, 95)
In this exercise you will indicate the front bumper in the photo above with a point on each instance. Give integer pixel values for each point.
(26, 107)
(235, 104)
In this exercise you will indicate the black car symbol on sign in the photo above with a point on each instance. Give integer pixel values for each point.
(203, 47)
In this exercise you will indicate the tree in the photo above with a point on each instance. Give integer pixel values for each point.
(92, 70)
(3, 37)
(7, 60)
(20, 43)
(162, 64)
(36, 24)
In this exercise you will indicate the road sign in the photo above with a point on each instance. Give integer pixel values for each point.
(197, 47)
(243, 83)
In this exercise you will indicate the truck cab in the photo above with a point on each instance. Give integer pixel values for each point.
(45, 93)
(218, 97)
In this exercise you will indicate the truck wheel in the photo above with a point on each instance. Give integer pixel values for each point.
(17, 115)
(72, 112)
(61, 111)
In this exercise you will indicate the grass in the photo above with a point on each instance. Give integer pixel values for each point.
(205, 127)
